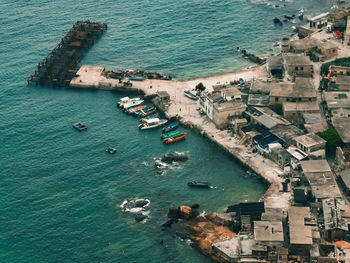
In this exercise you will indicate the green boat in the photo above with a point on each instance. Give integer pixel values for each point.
(169, 134)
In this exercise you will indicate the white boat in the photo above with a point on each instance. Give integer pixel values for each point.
(132, 103)
(151, 123)
(125, 100)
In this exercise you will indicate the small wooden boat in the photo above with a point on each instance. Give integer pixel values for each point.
(111, 150)
(169, 134)
(148, 112)
(136, 78)
(170, 127)
(135, 109)
(198, 184)
(176, 138)
(152, 123)
(80, 126)
(190, 95)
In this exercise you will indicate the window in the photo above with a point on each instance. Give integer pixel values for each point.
(309, 99)
(287, 99)
(301, 68)
(296, 68)
(276, 99)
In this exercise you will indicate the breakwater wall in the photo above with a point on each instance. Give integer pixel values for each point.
(60, 66)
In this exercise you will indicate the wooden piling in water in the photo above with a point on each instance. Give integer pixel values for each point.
(60, 66)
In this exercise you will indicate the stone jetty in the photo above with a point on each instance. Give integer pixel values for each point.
(60, 66)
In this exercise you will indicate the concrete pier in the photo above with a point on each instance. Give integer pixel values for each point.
(60, 66)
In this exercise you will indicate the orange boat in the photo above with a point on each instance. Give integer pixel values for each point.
(132, 110)
(176, 138)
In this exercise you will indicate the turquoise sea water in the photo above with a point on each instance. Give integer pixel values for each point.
(59, 191)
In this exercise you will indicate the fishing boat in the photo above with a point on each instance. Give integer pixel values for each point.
(169, 134)
(135, 109)
(190, 95)
(111, 150)
(170, 127)
(136, 78)
(175, 138)
(148, 112)
(152, 123)
(150, 117)
(132, 103)
(80, 126)
(125, 100)
(198, 184)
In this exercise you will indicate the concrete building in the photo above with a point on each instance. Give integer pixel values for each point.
(293, 111)
(219, 109)
(225, 110)
(336, 100)
(313, 122)
(298, 65)
(342, 158)
(321, 179)
(334, 217)
(319, 20)
(259, 93)
(269, 233)
(342, 83)
(339, 70)
(311, 144)
(345, 180)
(265, 117)
(324, 51)
(274, 66)
(303, 46)
(300, 232)
(342, 125)
(286, 133)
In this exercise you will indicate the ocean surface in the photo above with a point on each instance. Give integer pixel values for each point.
(59, 191)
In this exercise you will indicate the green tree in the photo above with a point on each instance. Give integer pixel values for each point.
(277, 107)
(332, 138)
(200, 87)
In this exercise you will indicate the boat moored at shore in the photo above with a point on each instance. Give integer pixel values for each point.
(175, 138)
(169, 134)
(133, 110)
(125, 100)
(132, 103)
(171, 127)
(152, 123)
(190, 95)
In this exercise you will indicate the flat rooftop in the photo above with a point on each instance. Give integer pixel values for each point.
(307, 106)
(266, 117)
(296, 60)
(315, 166)
(286, 133)
(311, 118)
(268, 231)
(337, 99)
(342, 125)
(309, 140)
(299, 233)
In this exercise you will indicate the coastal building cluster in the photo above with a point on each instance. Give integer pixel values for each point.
(289, 121)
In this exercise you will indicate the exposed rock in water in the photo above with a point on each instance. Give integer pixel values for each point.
(174, 157)
(195, 206)
(277, 20)
(252, 57)
(203, 231)
(141, 203)
(140, 217)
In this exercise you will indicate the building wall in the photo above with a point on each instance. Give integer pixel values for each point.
(220, 118)
(300, 71)
(309, 150)
(290, 99)
(340, 159)
(343, 87)
(332, 52)
(294, 115)
(206, 105)
(339, 70)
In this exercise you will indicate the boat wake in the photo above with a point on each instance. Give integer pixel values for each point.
(138, 207)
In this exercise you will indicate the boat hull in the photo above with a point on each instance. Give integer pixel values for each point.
(175, 139)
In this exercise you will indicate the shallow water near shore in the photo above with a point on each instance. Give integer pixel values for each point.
(60, 191)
